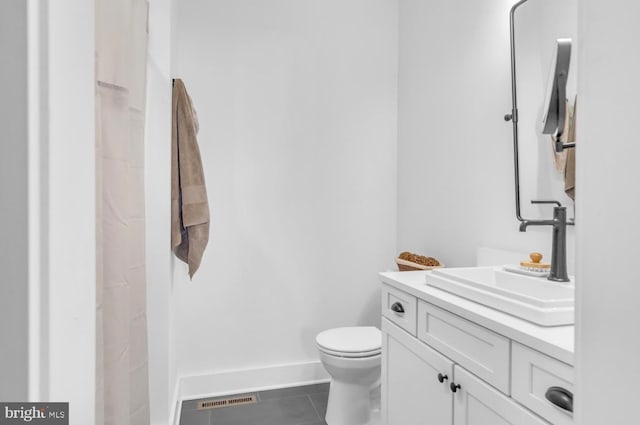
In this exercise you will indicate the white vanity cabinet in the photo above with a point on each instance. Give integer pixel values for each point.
(439, 368)
(412, 393)
(476, 403)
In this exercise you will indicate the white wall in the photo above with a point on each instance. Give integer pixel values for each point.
(455, 152)
(70, 213)
(14, 181)
(162, 363)
(297, 108)
(608, 296)
(48, 172)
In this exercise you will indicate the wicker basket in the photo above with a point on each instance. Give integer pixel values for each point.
(408, 266)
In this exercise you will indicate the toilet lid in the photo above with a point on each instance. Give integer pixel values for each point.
(363, 340)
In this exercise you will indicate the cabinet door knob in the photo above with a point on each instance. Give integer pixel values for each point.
(560, 397)
(454, 387)
(397, 307)
(442, 377)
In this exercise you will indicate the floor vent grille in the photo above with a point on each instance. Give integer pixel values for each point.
(227, 402)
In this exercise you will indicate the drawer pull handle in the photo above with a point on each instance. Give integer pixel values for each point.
(560, 397)
(397, 307)
(442, 377)
(454, 387)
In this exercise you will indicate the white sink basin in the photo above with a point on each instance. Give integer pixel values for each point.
(535, 299)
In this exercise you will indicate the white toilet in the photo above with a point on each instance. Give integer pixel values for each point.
(352, 357)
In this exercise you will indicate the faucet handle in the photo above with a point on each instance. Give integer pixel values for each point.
(547, 202)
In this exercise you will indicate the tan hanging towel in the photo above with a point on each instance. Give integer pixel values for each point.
(189, 205)
(570, 167)
(565, 161)
(560, 158)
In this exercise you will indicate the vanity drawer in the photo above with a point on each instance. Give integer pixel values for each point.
(400, 308)
(477, 349)
(532, 374)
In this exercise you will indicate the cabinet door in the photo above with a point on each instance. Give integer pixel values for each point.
(411, 391)
(477, 403)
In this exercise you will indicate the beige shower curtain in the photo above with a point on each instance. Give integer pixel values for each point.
(122, 393)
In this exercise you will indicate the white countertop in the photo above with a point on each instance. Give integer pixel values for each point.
(555, 341)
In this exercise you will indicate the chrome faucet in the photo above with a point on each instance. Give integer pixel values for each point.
(559, 243)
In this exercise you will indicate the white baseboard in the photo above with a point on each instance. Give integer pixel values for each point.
(247, 380)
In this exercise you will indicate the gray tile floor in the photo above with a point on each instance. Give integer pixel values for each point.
(305, 405)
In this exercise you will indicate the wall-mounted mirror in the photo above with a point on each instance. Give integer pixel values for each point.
(538, 25)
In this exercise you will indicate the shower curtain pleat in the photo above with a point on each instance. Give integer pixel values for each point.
(122, 393)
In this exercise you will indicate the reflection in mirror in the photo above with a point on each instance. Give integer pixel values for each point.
(555, 102)
(538, 26)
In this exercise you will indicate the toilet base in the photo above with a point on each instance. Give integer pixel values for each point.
(352, 405)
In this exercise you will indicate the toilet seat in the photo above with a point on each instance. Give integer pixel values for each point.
(350, 355)
(352, 342)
